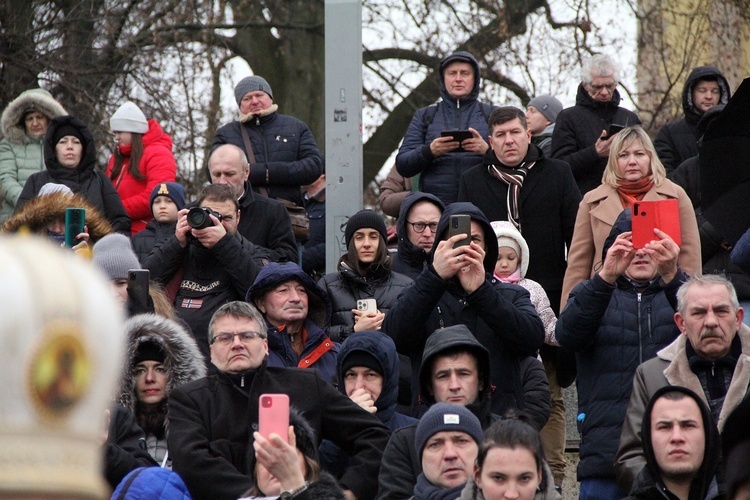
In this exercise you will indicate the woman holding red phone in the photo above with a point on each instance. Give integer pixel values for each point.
(633, 173)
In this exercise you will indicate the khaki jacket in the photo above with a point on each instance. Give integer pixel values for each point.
(597, 213)
(670, 367)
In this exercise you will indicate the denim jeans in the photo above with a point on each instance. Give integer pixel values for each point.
(600, 489)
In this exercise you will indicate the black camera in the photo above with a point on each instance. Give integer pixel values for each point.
(199, 217)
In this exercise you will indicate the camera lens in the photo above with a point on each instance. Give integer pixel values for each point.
(198, 218)
(266, 403)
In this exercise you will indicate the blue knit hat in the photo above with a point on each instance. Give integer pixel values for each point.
(171, 190)
(446, 417)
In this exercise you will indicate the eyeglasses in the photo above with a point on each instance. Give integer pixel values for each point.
(419, 227)
(599, 88)
(227, 338)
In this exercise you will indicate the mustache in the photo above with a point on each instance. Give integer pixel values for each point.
(710, 333)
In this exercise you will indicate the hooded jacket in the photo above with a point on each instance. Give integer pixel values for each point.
(319, 352)
(499, 315)
(286, 155)
(577, 129)
(439, 175)
(648, 484)
(85, 179)
(678, 140)
(183, 360)
(20, 153)
(43, 210)
(548, 204)
(410, 258)
(153, 483)
(157, 165)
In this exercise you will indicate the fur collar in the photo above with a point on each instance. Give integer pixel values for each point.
(678, 372)
(266, 112)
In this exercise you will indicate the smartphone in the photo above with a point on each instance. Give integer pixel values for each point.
(613, 129)
(367, 305)
(460, 224)
(75, 219)
(273, 416)
(458, 135)
(661, 214)
(138, 290)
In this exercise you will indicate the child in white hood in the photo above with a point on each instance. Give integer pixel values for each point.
(511, 266)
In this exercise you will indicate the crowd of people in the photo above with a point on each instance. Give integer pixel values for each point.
(432, 368)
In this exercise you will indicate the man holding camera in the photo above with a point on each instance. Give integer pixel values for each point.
(207, 262)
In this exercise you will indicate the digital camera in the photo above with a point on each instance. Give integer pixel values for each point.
(199, 217)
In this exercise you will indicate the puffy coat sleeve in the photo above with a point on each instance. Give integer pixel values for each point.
(10, 187)
(29, 191)
(304, 169)
(414, 156)
(580, 320)
(400, 466)
(741, 253)
(157, 165)
(237, 257)
(536, 396)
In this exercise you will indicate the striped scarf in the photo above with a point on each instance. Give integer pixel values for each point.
(514, 178)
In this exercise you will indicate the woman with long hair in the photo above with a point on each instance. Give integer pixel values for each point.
(142, 159)
(364, 272)
(633, 173)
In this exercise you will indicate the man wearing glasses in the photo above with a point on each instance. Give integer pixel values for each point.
(416, 226)
(211, 420)
(203, 268)
(581, 136)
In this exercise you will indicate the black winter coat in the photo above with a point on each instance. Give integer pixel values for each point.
(576, 131)
(612, 330)
(345, 287)
(85, 179)
(266, 223)
(152, 236)
(286, 155)
(549, 205)
(678, 140)
(125, 449)
(212, 420)
(439, 175)
(501, 316)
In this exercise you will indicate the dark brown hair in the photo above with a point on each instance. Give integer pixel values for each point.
(136, 153)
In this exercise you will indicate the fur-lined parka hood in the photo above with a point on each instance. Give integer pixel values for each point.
(183, 360)
(38, 212)
(35, 99)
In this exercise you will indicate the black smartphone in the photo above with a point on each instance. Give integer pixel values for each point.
(458, 135)
(75, 220)
(613, 129)
(138, 290)
(460, 224)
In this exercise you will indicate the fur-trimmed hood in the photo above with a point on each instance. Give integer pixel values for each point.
(183, 360)
(12, 119)
(38, 212)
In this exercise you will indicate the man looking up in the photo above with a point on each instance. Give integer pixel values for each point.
(440, 160)
(681, 445)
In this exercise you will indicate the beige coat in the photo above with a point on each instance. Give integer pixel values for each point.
(670, 367)
(597, 214)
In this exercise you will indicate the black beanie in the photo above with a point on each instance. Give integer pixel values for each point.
(148, 351)
(361, 358)
(66, 129)
(364, 219)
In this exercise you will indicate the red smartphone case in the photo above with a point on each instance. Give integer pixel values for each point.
(661, 214)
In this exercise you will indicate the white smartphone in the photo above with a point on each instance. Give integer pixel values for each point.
(367, 305)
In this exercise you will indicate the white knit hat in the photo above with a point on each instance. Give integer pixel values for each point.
(129, 118)
(62, 350)
(506, 233)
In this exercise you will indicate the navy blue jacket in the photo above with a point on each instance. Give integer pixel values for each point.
(501, 316)
(612, 330)
(440, 175)
(286, 155)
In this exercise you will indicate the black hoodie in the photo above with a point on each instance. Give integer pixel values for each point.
(500, 316)
(678, 140)
(648, 484)
(410, 258)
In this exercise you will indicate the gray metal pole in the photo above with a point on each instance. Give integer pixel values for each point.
(343, 121)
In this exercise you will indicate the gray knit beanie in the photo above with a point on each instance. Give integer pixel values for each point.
(114, 255)
(129, 118)
(249, 84)
(547, 105)
(446, 417)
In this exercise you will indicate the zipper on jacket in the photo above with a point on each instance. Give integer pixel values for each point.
(440, 322)
(457, 123)
(640, 331)
(242, 380)
(648, 312)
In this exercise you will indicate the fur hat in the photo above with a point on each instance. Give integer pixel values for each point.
(129, 118)
(509, 236)
(364, 219)
(446, 417)
(249, 84)
(171, 190)
(547, 105)
(114, 255)
(63, 347)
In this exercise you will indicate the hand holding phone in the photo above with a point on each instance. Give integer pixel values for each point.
(660, 214)
(457, 135)
(367, 305)
(460, 224)
(613, 129)
(273, 416)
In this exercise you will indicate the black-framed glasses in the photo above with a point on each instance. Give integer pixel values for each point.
(419, 227)
(228, 338)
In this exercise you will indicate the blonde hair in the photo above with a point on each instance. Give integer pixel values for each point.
(623, 140)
